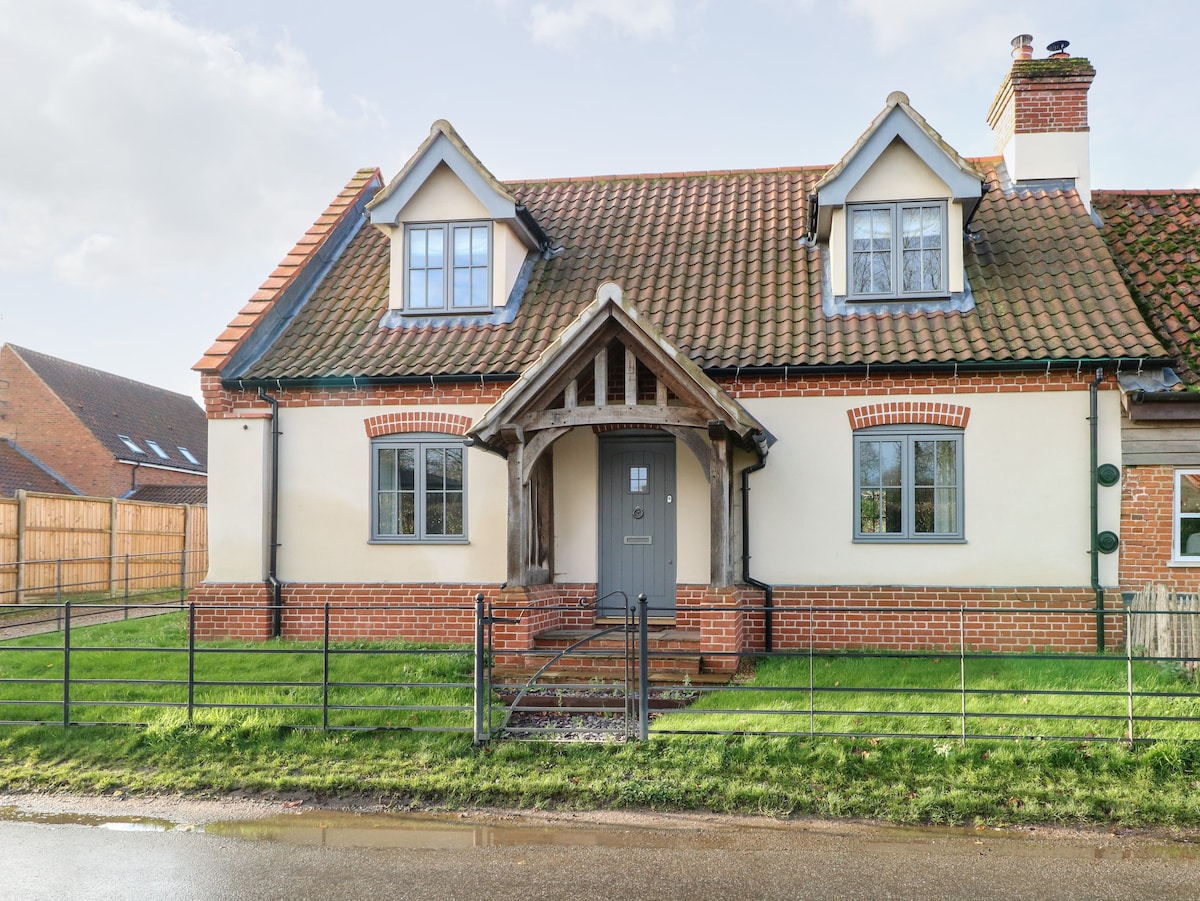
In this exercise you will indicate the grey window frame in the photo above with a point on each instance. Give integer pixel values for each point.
(448, 268)
(1178, 516)
(420, 444)
(907, 435)
(896, 208)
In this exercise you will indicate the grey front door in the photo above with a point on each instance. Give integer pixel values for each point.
(637, 524)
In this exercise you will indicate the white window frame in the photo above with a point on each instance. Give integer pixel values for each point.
(191, 458)
(448, 269)
(907, 436)
(895, 210)
(131, 444)
(421, 446)
(158, 451)
(1178, 516)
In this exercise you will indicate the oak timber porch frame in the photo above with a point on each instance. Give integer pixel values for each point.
(571, 386)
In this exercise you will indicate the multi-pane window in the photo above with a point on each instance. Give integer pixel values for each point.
(448, 266)
(639, 480)
(897, 250)
(419, 490)
(908, 484)
(1187, 515)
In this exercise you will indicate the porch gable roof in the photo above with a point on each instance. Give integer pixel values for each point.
(532, 401)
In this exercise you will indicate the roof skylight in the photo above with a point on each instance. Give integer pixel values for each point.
(191, 458)
(131, 444)
(158, 450)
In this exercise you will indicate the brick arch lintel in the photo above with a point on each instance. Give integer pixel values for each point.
(909, 412)
(417, 421)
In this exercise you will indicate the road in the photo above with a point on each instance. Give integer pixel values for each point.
(319, 854)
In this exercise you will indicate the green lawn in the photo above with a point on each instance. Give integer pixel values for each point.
(136, 671)
(244, 750)
(1076, 697)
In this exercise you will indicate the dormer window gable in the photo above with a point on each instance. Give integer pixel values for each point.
(459, 239)
(889, 213)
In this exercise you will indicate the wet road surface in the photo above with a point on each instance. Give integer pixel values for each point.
(320, 854)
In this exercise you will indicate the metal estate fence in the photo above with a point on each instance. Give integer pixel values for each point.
(623, 681)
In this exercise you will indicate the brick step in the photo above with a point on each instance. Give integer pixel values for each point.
(659, 640)
(600, 662)
(564, 673)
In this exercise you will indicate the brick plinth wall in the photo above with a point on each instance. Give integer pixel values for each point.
(433, 613)
(999, 619)
(1012, 619)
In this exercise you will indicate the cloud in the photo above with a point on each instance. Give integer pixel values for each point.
(137, 147)
(893, 24)
(563, 23)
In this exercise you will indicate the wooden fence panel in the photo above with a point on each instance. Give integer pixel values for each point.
(8, 548)
(54, 544)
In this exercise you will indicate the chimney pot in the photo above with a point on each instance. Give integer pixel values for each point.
(1022, 46)
(1058, 49)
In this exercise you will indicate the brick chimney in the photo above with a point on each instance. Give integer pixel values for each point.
(1039, 118)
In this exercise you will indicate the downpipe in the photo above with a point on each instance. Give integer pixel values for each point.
(767, 590)
(1094, 436)
(273, 535)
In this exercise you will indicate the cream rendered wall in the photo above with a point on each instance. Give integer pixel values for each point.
(692, 515)
(1026, 500)
(325, 516)
(444, 198)
(1051, 155)
(238, 492)
(577, 513)
(898, 174)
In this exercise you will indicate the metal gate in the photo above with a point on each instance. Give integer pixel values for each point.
(533, 706)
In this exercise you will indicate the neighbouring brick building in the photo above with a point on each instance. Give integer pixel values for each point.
(886, 384)
(1155, 238)
(83, 431)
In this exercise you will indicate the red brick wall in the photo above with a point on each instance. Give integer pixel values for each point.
(1147, 520)
(1010, 619)
(42, 424)
(33, 416)
(852, 385)
(220, 402)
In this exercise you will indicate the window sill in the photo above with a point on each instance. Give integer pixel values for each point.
(1179, 563)
(421, 542)
(910, 541)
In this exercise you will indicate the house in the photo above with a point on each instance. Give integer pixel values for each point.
(83, 431)
(789, 406)
(1155, 238)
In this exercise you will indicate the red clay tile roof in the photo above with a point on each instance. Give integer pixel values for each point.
(286, 273)
(20, 470)
(1155, 237)
(720, 263)
(110, 405)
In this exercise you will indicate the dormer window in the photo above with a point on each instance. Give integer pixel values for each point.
(897, 250)
(448, 267)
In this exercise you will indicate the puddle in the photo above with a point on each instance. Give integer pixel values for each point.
(343, 829)
(13, 814)
(435, 832)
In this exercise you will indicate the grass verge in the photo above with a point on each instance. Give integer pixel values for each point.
(242, 750)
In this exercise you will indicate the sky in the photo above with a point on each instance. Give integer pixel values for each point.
(159, 157)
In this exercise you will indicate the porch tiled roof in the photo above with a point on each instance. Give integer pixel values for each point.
(719, 262)
(1155, 237)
